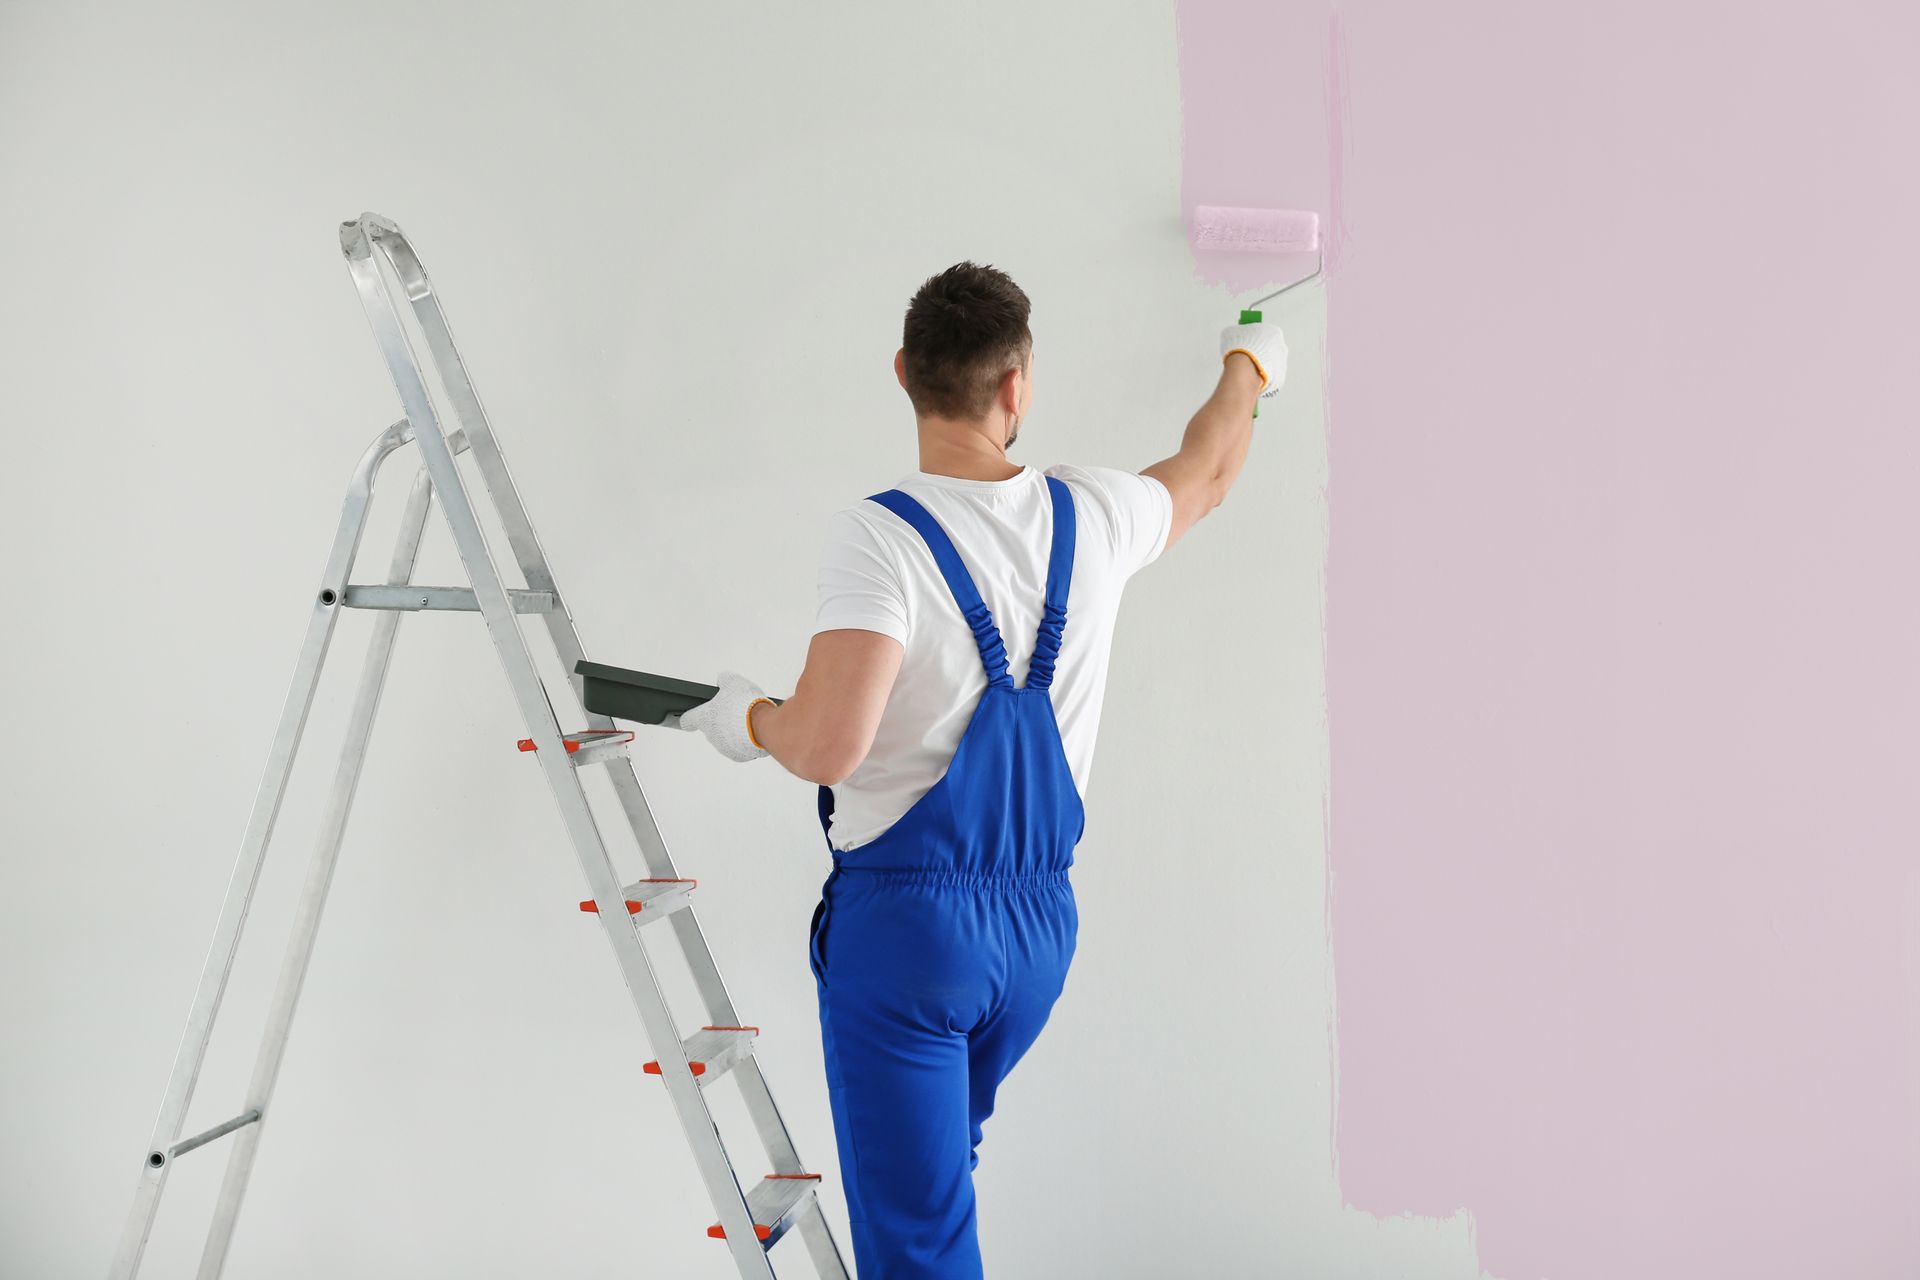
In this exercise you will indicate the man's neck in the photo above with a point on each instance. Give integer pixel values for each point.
(964, 450)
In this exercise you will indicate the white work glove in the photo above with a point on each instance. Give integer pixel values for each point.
(723, 718)
(1265, 343)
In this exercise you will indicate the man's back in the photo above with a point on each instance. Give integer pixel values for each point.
(876, 574)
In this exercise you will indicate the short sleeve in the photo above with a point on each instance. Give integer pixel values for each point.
(1139, 510)
(859, 583)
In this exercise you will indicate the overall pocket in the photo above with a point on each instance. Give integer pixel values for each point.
(816, 939)
(817, 930)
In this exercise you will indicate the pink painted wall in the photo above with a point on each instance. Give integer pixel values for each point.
(1624, 673)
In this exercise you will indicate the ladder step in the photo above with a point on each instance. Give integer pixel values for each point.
(457, 599)
(589, 746)
(199, 1140)
(651, 899)
(773, 1205)
(711, 1050)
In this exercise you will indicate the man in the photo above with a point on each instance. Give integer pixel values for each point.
(952, 755)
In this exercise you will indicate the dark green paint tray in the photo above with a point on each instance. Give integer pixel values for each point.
(639, 695)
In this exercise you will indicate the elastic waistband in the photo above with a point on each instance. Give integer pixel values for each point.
(992, 880)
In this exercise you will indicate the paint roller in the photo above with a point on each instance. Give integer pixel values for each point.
(1237, 230)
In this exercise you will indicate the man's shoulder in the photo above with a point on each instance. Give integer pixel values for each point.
(854, 520)
(1083, 471)
(867, 526)
(1135, 509)
(1112, 488)
(866, 508)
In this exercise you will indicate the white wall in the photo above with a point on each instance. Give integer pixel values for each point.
(676, 247)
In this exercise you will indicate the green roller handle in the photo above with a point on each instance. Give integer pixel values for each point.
(1251, 317)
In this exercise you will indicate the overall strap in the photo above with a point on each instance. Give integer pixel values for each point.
(1053, 619)
(993, 653)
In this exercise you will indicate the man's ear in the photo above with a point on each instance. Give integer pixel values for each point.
(900, 367)
(1010, 390)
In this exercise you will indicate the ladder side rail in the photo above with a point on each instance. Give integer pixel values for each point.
(758, 1095)
(653, 849)
(313, 896)
(775, 1139)
(491, 460)
(685, 923)
(359, 240)
(468, 411)
(563, 631)
(821, 1246)
(771, 1127)
(192, 1052)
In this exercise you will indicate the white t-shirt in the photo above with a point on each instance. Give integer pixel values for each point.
(876, 574)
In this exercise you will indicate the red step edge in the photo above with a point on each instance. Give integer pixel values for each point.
(573, 743)
(699, 1068)
(719, 1232)
(633, 908)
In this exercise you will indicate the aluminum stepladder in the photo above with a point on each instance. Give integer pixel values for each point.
(751, 1222)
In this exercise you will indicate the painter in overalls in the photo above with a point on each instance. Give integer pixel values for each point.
(942, 941)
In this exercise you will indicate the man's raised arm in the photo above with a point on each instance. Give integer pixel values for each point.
(1216, 440)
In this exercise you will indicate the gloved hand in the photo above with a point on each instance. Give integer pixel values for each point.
(723, 718)
(1265, 343)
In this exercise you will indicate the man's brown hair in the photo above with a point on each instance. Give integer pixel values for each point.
(965, 328)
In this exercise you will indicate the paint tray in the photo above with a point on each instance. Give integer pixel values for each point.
(640, 695)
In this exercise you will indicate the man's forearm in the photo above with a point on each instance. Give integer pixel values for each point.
(1221, 431)
(1215, 445)
(774, 727)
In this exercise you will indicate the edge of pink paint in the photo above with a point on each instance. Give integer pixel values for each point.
(1625, 929)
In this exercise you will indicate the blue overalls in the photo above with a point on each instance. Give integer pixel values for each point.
(939, 947)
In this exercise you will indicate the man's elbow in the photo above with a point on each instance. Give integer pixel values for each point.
(829, 777)
(1197, 503)
(1218, 486)
(831, 764)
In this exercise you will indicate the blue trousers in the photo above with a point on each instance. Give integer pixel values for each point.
(932, 985)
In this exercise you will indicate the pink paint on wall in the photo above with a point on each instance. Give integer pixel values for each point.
(1624, 648)
(1251, 92)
